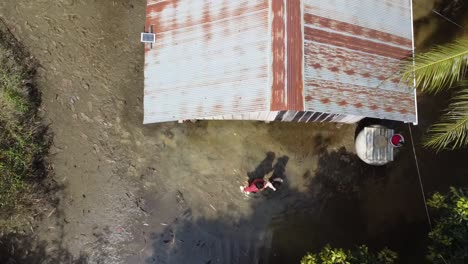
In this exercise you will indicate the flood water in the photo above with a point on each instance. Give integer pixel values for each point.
(169, 193)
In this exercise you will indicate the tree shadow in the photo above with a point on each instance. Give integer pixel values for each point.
(283, 226)
(222, 240)
(201, 241)
(21, 248)
(347, 203)
(342, 172)
(22, 244)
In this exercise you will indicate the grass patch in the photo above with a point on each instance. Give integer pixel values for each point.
(23, 139)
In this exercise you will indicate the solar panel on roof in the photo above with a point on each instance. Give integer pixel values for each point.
(148, 37)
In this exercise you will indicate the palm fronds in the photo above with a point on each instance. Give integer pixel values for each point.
(438, 68)
(452, 129)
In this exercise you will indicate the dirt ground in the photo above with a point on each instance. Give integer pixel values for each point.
(169, 193)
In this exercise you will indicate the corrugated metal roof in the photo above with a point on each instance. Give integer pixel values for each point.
(279, 99)
(225, 58)
(352, 50)
(295, 58)
(378, 148)
(210, 59)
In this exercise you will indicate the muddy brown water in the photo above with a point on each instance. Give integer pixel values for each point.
(169, 193)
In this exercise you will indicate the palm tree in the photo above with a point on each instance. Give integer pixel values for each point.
(444, 67)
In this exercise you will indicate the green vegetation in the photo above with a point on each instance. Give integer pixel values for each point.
(448, 241)
(22, 141)
(437, 70)
(361, 255)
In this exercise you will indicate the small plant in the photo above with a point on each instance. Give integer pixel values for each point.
(361, 255)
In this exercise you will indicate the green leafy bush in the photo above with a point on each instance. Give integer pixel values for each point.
(361, 255)
(448, 241)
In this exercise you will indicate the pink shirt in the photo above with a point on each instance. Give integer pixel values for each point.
(252, 188)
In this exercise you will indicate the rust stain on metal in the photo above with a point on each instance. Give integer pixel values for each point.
(156, 9)
(350, 72)
(215, 58)
(278, 98)
(354, 43)
(329, 86)
(206, 21)
(356, 30)
(388, 109)
(343, 103)
(317, 55)
(366, 74)
(218, 108)
(295, 55)
(158, 6)
(331, 92)
(210, 59)
(352, 50)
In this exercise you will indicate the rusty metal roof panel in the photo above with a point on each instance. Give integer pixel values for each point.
(222, 58)
(351, 53)
(287, 55)
(211, 58)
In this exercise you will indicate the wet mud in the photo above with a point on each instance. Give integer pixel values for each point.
(169, 193)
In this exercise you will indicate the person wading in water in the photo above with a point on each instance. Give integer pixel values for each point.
(258, 185)
(274, 174)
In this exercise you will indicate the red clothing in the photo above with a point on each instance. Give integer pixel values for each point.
(397, 140)
(252, 188)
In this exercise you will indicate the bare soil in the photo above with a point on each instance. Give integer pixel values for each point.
(169, 193)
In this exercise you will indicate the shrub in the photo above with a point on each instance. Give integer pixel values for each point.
(22, 137)
(360, 255)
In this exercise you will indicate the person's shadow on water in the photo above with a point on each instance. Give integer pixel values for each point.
(265, 167)
(279, 169)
